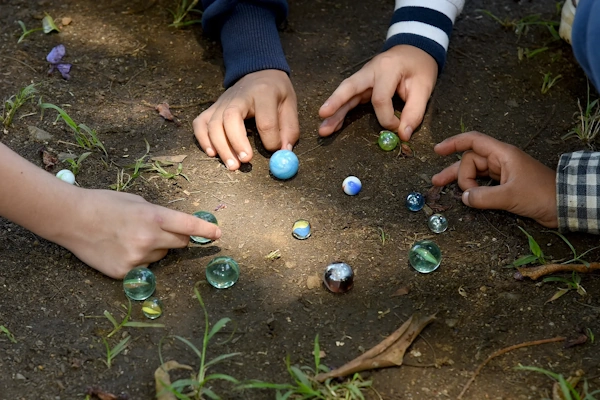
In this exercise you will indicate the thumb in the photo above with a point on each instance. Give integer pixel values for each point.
(412, 113)
(487, 197)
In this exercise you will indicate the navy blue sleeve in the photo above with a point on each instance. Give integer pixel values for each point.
(248, 33)
(586, 39)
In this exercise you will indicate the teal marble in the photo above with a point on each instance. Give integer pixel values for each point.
(139, 283)
(205, 215)
(425, 256)
(222, 272)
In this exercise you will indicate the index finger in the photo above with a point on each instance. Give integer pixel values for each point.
(481, 144)
(349, 88)
(180, 223)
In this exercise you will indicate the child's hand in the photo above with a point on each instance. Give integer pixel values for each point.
(527, 187)
(114, 232)
(403, 69)
(266, 95)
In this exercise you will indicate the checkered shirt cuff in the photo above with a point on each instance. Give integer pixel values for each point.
(577, 191)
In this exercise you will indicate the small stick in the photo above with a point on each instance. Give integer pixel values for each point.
(358, 64)
(546, 269)
(21, 62)
(503, 351)
(541, 129)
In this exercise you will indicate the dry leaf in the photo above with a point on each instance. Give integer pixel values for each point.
(581, 339)
(66, 21)
(164, 111)
(403, 291)
(169, 159)
(48, 159)
(406, 150)
(162, 379)
(388, 353)
(102, 395)
(557, 295)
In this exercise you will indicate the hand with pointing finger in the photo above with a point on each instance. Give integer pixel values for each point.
(404, 70)
(526, 186)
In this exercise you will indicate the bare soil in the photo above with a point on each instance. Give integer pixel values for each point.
(125, 56)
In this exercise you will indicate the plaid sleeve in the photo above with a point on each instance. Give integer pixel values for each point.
(577, 191)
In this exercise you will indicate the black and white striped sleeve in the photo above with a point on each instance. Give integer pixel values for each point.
(426, 24)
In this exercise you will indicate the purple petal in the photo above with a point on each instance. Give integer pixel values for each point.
(56, 54)
(64, 70)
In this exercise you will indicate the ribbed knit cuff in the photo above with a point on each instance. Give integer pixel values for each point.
(251, 43)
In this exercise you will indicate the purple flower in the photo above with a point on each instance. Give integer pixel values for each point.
(54, 58)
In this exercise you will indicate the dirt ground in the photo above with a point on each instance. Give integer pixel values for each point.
(125, 56)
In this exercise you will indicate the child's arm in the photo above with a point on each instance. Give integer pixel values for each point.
(414, 54)
(256, 78)
(526, 186)
(110, 231)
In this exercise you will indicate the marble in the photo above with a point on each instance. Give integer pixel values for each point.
(352, 186)
(415, 201)
(205, 215)
(301, 229)
(139, 283)
(425, 256)
(152, 307)
(388, 140)
(437, 223)
(338, 277)
(283, 164)
(222, 272)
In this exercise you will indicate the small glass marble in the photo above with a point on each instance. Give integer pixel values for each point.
(338, 277)
(437, 223)
(425, 256)
(351, 185)
(388, 140)
(205, 215)
(139, 283)
(152, 307)
(222, 272)
(301, 229)
(283, 164)
(415, 201)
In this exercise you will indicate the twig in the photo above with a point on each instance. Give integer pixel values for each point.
(548, 119)
(21, 62)
(309, 150)
(361, 62)
(462, 53)
(547, 269)
(503, 351)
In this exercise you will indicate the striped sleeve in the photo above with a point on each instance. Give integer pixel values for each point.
(424, 24)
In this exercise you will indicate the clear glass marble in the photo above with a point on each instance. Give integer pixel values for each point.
(338, 277)
(415, 201)
(205, 215)
(222, 272)
(425, 256)
(437, 223)
(139, 283)
(152, 307)
(388, 140)
(301, 229)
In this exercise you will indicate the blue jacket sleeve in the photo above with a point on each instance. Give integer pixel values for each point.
(248, 33)
(586, 39)
(424, 24)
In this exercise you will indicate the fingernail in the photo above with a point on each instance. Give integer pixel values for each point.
(242, 155)
(290, 147)
(209, 151)
(323, 123)
(325, 104)
(465, 198)
(230, 163)
(408, 131)
(218, 233)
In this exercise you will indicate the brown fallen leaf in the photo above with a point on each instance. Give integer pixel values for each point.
(431, 199)
(48, 159)
(403, 291)
(547, 269)
(406, 150)
(388, 353)
(162, 379)
(102, 395)
(165, 112)
(581, 339)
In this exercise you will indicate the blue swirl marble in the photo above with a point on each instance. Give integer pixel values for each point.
(351, 185)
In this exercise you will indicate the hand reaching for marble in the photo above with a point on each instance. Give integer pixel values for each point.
(403, 69)
(526, 186)
(266, 95)
(110, 231)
